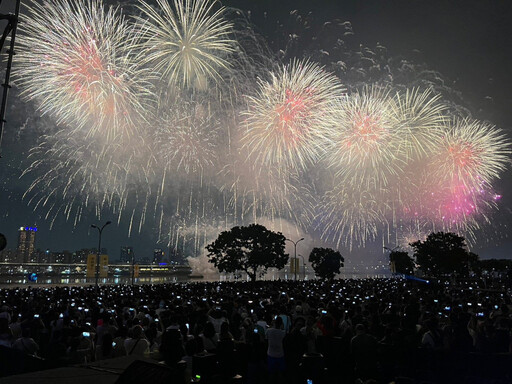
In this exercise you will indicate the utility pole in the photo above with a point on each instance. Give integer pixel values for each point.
(10, 29)
(295, 256)
(100, 230)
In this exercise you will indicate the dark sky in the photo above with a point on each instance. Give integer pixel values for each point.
(468, 41)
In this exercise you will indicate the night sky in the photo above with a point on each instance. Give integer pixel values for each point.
(468, 41)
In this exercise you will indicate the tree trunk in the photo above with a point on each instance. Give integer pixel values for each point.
(252, 275)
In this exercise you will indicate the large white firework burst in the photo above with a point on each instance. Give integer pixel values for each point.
(187, 42)
(470, 153)
(76, 60)
(288, 119)
(366, 142)
(422, 119)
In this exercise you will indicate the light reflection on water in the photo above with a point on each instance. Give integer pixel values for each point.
(23, 281)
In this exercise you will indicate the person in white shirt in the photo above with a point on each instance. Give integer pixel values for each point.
(217, 317)
(210, 337)
(137, 345)
(275, 351)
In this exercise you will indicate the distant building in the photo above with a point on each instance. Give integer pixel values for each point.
(26, 243)
(64, 257)
(143, 260)
(37, 256)
(158, 256)
(46, 257)
(126, 255)
(80, 257)
(8, 256)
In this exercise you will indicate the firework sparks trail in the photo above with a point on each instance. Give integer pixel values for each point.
(83, 70)
(350, 216)
(188, 44)
(73, 174)
(187, 138)
(271, 194)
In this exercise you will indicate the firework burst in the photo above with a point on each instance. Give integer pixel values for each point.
(365, 146)
(470, 154)
(82, 70)
(188, 44)
(435, 203)
(288, 119)
(421, 117)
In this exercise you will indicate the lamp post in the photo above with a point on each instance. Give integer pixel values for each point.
(295, 255)
(100, 230)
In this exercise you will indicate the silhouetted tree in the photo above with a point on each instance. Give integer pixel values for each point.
(444, 253)
(326, 262)
(252, 249)
(401, 262)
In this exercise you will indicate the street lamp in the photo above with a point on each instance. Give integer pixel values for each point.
(100, 230)
(295, 255)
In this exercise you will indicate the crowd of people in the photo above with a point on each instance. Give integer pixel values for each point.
(315, 331)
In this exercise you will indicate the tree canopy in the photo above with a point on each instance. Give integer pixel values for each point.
(444, 253)
(326, 262)
(252, 249)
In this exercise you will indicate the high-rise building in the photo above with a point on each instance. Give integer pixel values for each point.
(126, 255)
(26, 243)
(158, 256)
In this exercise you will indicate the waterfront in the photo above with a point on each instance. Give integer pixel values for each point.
(41, 274)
